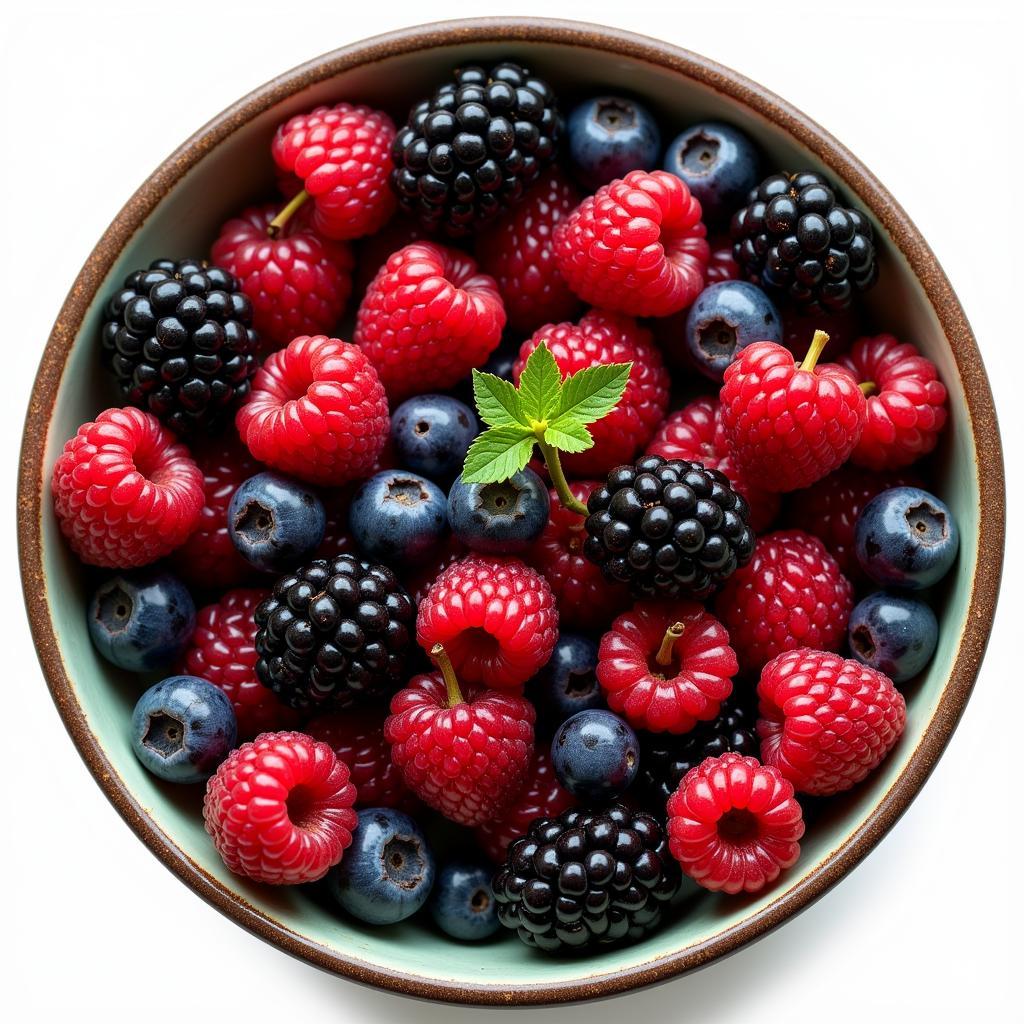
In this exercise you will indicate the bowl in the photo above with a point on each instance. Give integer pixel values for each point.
(177, 211)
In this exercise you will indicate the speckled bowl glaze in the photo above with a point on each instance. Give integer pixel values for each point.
(177, 211)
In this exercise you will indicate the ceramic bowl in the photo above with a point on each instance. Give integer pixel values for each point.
(177, 211)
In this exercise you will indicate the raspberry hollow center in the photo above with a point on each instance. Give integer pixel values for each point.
(301, 807)
(737, 826)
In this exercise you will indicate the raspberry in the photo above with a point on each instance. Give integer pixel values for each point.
(734, 824)
(517, 251)
(666, 666)
(125, 493)
(342, 155)
(427, 319)
(791, 594)
(826, 722)
(279, 809)
(373, 252)
(721, 265)
(637, 246)
(496, 618)
(297, 282)
(906, 408)
(317, 411)
(601, 338)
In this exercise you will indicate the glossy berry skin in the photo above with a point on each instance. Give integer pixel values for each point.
(894, 634)
(906, 538)
(722, 266)
(789, 427)
(499, 518)
(568, 683)
(317, 412)
(734, 824)
(279, 809)
(637, 246)
(595, 755)
(124, 491)
(462, 903)
(427, 319)
(422, 578)
(826, 722)
(398, 517)
(141, 621)
(431, 435)
(609, 136)
(181, 728)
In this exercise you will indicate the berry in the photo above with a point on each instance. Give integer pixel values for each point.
(894, 634)
(279, 809)
(609, 136)
(496, 618)
(826, 722)
(462, 904)
(499, 518)
(317, 412)
(181, 728)
(567, 683)
(666, 667)
(141, 621)
(843, 327)
(422, 578)
(473, 149)
(178, 339)
(595, 755)
(906, 538)
(373, 251)
(342, 157)
(734, 824)
(337, 539)
(431, 435)
(722, 267)
(637, 246)
(334, 631)
(586, 878)
(668, 528)
(791, 595)
(795, 238)
(125, 493)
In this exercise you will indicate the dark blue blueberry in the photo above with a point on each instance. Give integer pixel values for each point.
(432, 433)
(275, 522)
(499, 518)
(609, 136)
(462, 903)
(143, 620)
(567, 683)
(502, 360)
(595, 755)
(894, 634)
(906, 538)
(397, 517)
(387, 873)
(182, 728)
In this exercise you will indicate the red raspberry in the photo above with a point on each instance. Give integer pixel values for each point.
(790, 594)
(279, 809)
(721, 265)
(427, 319)
(734, 824)
(317, 411)
(602, 337)
(373, 252)
(125, 492)
(298, 282)
(826, 721)
(788, 426)
(696, 433)
(666, 666)
(637, 246)
(342, 156)
(517, 251)
(906, 406)
(496, 618)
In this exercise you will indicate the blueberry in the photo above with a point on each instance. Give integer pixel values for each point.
(501, 361)
(906, 538)
(432, 433)
(894, 634)
(462, 903)
(609, 136)
(568, 682)
(397, 517)
(499, 518)
(387, 873)
(142, 621)
(595, 755)
(275, 522)
(182, 728)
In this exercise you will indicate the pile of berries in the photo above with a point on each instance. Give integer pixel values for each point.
(610, 638)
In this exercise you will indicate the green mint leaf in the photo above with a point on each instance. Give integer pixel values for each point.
(568, 435)
(497, 401)
(497, 454)
(593, 392)
(540, 383)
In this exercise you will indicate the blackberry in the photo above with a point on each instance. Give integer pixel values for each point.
(668, 527)
(334, 632)
(179, 340)
(473, 149)
(794, 237)
(586, 878)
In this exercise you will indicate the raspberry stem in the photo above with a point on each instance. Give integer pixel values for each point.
(451, 681)
(565, 495)
(275, 226)
(819, 341)
(668, 642)
(869, 387)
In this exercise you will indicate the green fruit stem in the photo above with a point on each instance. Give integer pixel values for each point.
(869, 387)
(277, 224)
(819, 341)
(554, 464)
(668, 642)
(451, 681)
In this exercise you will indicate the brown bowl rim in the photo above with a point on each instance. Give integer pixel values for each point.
(905, 236)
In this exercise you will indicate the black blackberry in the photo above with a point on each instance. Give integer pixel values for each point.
(178, 338)
(475, 147)
(668, 528)
(333, 632)
(586, 878)
(794, 237)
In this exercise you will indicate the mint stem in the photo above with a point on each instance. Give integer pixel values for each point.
(565, 495)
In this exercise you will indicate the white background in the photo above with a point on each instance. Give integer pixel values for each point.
(94, 95)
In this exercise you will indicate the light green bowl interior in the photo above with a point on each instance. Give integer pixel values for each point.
(183, 224)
